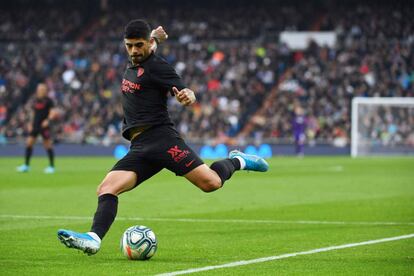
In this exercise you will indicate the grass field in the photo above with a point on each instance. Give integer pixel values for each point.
(299, 205)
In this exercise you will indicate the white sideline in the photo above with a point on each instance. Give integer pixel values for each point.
(253, 221)
(284, 256)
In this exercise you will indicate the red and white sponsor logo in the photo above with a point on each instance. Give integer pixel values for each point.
(177, 154)
(129, 86)
(40, 105)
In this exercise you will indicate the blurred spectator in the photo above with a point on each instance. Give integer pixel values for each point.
(387, 126)
(299, 127)
(233, 64)
(373, 57)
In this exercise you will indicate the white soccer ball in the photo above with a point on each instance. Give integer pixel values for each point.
(138, 243)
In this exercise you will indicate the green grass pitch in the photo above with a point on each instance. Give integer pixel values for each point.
(292, 208)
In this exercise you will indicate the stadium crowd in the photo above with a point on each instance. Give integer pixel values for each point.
(85, 85)
(232, 62)
(374, 56)
(389, 126)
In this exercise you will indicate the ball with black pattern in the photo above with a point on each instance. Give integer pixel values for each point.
(138, 243)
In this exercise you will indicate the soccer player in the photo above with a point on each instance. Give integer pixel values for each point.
(155, 143)
(299, 125)
(43, 115)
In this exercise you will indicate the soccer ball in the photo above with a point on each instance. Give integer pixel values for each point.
(138, 243)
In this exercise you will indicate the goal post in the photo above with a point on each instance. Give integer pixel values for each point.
(382, 126)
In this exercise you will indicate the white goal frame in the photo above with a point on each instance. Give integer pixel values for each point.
(384, 101)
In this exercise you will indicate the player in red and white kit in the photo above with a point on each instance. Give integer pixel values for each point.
(43, 114)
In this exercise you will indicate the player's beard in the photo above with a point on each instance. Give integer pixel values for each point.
(136, 59)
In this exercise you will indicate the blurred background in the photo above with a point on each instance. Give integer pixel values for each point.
(266, 73)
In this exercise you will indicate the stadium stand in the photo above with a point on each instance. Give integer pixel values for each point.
(235, 63)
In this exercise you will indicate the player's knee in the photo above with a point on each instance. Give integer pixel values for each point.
(104, 188)
(30, 142)
(100, 189)
(47, 145)
(209, 185)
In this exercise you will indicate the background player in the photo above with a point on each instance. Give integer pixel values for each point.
(155, 144)
(299, 126)
(43, 114)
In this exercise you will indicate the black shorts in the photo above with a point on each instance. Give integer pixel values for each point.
(157, 148)
(44, 131)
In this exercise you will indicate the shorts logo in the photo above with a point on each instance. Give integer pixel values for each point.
(178, 155)
(140, 72)
(189, 163)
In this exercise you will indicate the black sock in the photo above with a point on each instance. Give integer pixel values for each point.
(105, 214)
(28, 154)
(225, 168)
(51, 155)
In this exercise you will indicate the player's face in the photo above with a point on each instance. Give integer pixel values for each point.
(41, 90)
(138, 49)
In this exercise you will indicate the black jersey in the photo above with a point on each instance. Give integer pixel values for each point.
(41, 107)
(145, 89)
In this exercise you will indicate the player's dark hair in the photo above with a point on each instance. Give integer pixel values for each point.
(137, 28)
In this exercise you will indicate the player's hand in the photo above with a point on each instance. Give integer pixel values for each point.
(186, 96)
(160, 34)
(45, 123)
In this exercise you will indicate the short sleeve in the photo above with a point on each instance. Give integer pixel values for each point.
(165, 76)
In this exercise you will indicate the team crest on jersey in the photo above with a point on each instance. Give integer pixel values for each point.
(140, 72)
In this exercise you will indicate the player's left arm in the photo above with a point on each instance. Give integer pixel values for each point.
(158, 35)
(53, 114)
(185, 96)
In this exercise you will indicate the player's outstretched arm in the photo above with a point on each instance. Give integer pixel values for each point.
(159, 35)
(186, 96)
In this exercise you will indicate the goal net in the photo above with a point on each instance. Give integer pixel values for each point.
(382, 126)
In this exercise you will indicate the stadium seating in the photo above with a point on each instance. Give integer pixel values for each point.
(232, 64)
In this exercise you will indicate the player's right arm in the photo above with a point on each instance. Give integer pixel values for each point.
(166, 76)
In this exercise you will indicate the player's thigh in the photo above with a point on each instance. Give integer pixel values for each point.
(46, 135)
(178, 157)
(135, 162)
(175, 155)
(47, 143)
(117, 182)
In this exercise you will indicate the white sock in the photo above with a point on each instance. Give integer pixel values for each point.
(242, 162)
(94, 236)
